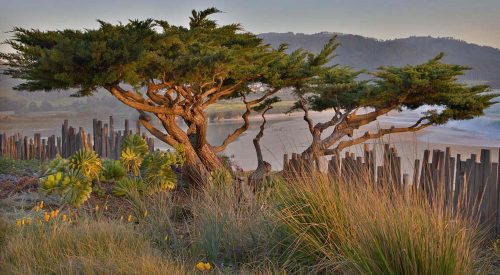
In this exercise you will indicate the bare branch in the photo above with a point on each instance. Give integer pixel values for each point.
(307, 118)
(246, 121)
(145, 121)
(382, 132)
(256, 140)
(139, 103)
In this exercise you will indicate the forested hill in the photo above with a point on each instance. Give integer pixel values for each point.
(368, 53)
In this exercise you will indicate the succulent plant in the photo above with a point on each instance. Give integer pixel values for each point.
(157, 172)
(131, 160)
(135, 143)
(75, 188)
(56, 165)
(113, 170)
(87, 162)
(129, 187)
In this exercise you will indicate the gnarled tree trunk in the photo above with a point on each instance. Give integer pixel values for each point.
(263, 167)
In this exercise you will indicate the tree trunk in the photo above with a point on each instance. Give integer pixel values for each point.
(208, 157)
(194, 170)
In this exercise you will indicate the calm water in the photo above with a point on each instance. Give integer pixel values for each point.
(288, 133)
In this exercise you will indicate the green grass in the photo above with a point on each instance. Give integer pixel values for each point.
(19, 167)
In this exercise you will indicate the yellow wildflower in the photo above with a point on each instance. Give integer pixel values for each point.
(96, 207)
(22, 221)
(46, 217)
(64, 217)
(129, 219)
(166, 238)
(41, 204)
(18, 223)
(28, 221)
(146, 213)
(37, 208)
(208, 266)
(54, 213)
(200, 266)
(106, 207)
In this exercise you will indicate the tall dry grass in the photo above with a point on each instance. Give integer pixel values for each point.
(330, 226)
(90, 247)
(228, 226)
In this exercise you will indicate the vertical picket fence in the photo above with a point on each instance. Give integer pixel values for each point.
(105, 140)
(463, 184)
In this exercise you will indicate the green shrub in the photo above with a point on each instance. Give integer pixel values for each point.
(75, 188)
(58, 164)
(131, 160)
(157, 172)
(113, 170)
(87, 162)
(131, 187)
(72, 178)
(135, 143)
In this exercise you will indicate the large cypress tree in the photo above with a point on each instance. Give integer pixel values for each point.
(165, 72)
(168, 72)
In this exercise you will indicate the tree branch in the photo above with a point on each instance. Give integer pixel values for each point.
(256, 140)
(382, 132)
(139, 103)
(307, 118)
(245, 116)
(145, 121)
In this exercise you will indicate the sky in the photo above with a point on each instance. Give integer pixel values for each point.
(475, 21)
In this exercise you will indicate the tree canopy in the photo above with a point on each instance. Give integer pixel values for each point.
(175, 72)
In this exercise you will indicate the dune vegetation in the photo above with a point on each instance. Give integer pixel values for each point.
(131, 222)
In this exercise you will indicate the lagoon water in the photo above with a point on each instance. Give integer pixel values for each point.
(289, 133)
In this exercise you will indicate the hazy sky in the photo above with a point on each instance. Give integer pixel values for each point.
(476, 21)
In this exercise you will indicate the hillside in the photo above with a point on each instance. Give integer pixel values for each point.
(368, 53)
(356, 51)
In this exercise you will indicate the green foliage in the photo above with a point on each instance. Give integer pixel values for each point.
(131, 160)
(87, 162)
(19, 167)
(138, 51)
(58, 164)
(133, 150)
(135, 143)
(157, 172)
(72, 178)
(113, 170)
(433, 83)
(75, 188)
(130, 187)
(266, 104)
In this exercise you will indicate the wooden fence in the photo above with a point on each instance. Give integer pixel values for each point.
(105, 140)
(463, 184)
